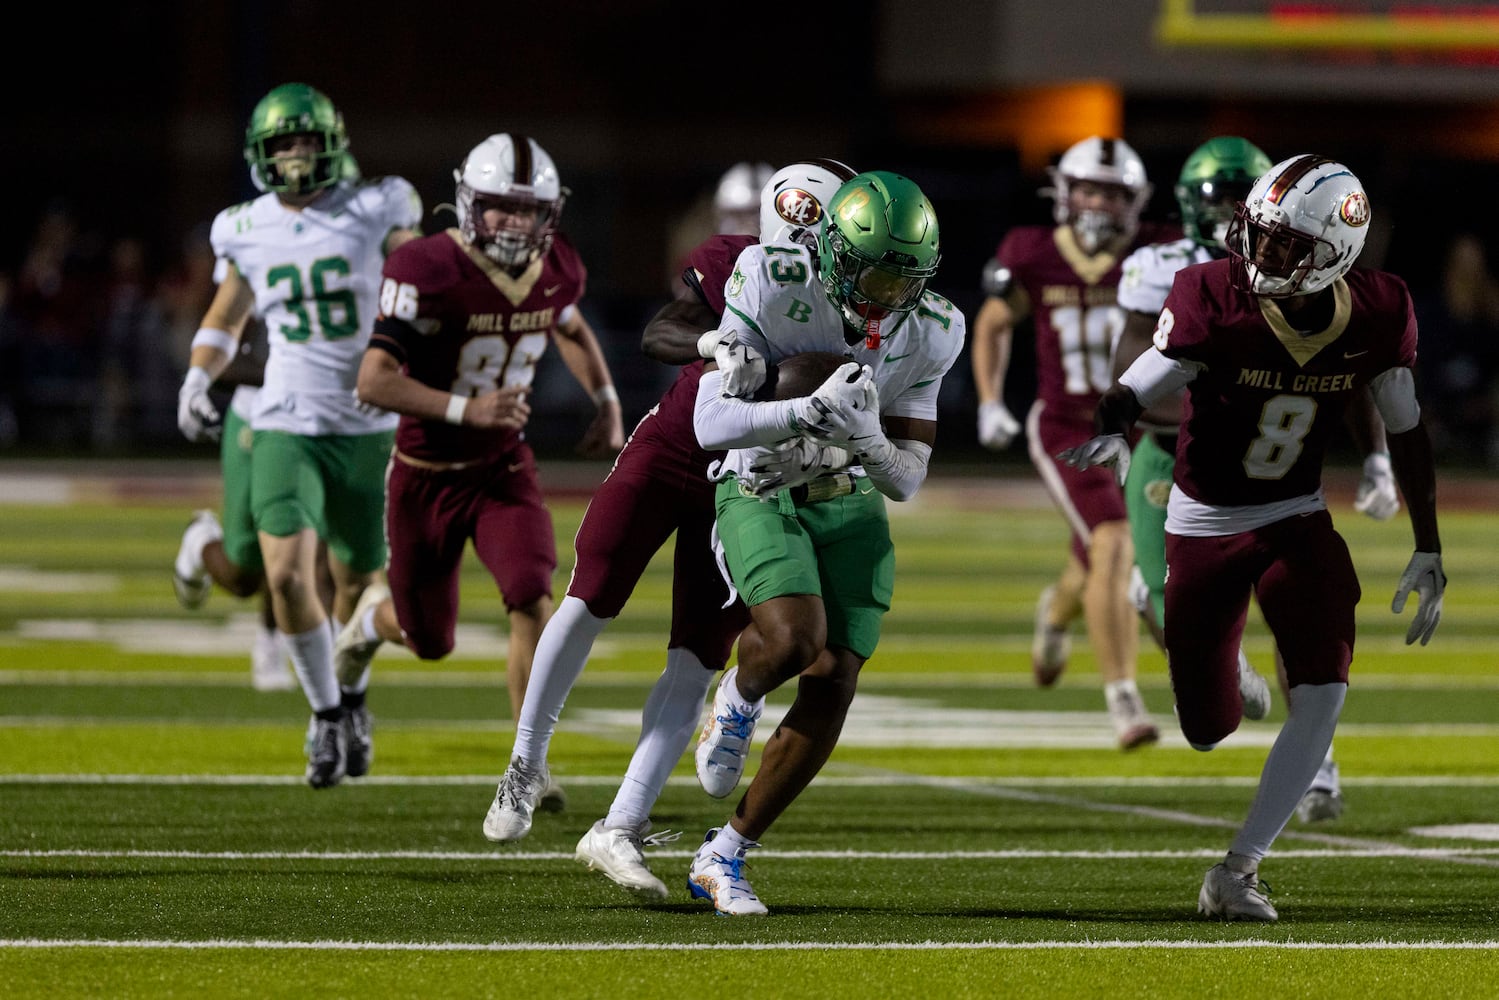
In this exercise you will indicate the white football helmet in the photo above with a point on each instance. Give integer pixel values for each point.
(737, 199)
(1301, 227)
(1113, 164)
(796, 197)
(515, 175)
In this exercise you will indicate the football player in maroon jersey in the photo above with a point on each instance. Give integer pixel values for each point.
(1272, 344)
(1065, 279)
(465, 314)
(659, 485)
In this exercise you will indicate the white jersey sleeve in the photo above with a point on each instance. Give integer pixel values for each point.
(1146, 275)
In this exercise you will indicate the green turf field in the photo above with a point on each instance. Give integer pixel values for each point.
(972, 836)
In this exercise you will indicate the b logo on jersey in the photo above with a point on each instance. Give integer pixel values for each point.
(1355, 209)
(798, 207)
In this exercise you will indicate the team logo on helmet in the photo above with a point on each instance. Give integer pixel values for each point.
(798, 207)
(1355, 209)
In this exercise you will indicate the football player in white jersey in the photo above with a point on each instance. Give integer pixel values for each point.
(1214, 179)
(800, 499)
(306, 257)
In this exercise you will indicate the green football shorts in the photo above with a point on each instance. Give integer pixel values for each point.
(241, 543)
(338, 481)
(838, 549)
(1145, 494)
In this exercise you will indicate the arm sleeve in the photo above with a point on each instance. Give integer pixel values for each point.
(1394, 392)
(897, 468)
(1153, 376)
(737, 423)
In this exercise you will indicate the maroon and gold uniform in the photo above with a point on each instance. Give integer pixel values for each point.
(1072, 301)
(458, 322)
(1258, 415)
(659, 484)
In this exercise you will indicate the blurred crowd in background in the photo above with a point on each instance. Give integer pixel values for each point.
(95, 328)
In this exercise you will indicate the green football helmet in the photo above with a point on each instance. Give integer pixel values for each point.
(879, 247)
(1216, 177)
(297, 109)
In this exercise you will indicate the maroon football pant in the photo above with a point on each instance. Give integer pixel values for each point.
(430, 516)
(1086, 497)
(652, 491)
(1302, 577)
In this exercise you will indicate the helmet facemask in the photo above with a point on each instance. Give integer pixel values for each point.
(288, 111)
(522, 234)
(1208, 210)
(513, 179)
(866, 290)
(1097, 227)
(1276, 260)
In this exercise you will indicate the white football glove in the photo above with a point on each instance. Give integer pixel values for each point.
(793, 462)
(197, 417)
(997, 426)
(833, 407)
(1106, 449)
(1376, 490)
(742, 367)
(1424, 575)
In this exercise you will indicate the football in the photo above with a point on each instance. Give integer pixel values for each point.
(799, 374)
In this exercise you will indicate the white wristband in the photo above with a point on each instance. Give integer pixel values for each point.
(605, 394)
(221, 340)
(456, 405)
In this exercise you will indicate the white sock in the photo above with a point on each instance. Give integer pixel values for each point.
(1291, 765)
(1115, 690)
(561, 653)
(736, 700)
(311, 655)
(671, 716)
(730, 843)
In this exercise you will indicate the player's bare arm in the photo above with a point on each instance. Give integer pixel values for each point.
(382, 383)
(672, 334)
(233, 302)
(581, 353)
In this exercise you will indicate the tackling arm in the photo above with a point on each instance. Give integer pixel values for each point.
(1135, 340)
(672, 334)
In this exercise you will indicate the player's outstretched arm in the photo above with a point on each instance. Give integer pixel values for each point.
(581, 353)
(672, 334)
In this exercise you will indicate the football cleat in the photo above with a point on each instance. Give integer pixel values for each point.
(352, 652)
(269, 669)
(721, 881)
(1232, 895)
(190, 579)
(619, 853)
(326, 753)
(1253, 690)
(1132, 724)
(553, 798)
(1050, 645)
(359, 741)
(724, 744)
(521, 788)
(1324, 799)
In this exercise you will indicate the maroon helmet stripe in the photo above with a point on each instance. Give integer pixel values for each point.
(835, 167)
(1108, 153)
(1288, 178)
(523, 168)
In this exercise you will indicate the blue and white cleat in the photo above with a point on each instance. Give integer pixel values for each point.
(724, 746)
(721, 880)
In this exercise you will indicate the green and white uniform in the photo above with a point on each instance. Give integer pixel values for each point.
(1144, 283)
(315, 275)
(840, 548)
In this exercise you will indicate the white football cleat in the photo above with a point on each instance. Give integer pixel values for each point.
(619, 852)
(190, 580)
(1234, 896)
(521, 787)
(1324, 799)
(1050, 646)
(1254, 691)
(269, 667)
(352, 652)
(1132, 724)
(721, 881)
(724, 745)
